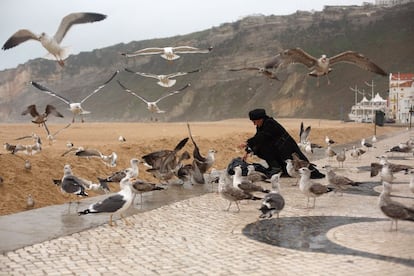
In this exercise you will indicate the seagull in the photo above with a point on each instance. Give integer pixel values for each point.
(393, 209)
(330, 153)
(245, 185)
(292, 171)
(322, 66)
(394, 168)
(163, 80)
(30, 203)
(204, 163)
(72, 185)
(121, 139)
(114, 204)
(168, 53)
(261, 70)
(27, 165)
(152, 106)
(139, 187)
(309, 188)
(329, 141)
(304, 134)
(255, 176)
(357, 152)
(52, 137)
(119, 175)
(366, 144)
(74, 107)
(411, 184)
(273, 202)
(41, 118)
(230, 193)
(52, 44)
(109, 160)
(341, 157)
(339, 182)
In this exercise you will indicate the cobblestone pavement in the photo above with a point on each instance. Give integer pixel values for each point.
(342, 235)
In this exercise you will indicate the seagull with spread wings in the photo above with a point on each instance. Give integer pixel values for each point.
(169, 53)
(74, 107)
(261, 70)
(152, 106)
(41, 118)
(52, 44)
(163, 80)
(322, 66)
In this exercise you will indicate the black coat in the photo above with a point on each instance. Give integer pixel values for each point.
(273, 143)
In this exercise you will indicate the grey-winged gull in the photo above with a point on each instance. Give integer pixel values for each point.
(74, 107)
(322, 66)
(72, 185)
(244, 184)
(169, 53)
(292, 171)
(114, 204)
(366, 144)
(393, 209)
(52, 44)
(152, 105)
(273, 202)
(230, 193)
(309, 188)
(163, 80)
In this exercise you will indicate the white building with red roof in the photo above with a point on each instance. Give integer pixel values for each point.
(401, 96)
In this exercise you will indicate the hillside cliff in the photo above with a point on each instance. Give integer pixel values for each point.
(385, 35)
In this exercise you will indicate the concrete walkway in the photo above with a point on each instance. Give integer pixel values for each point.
(342, 235)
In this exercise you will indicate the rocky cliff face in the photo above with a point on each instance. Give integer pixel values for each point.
(385, 35)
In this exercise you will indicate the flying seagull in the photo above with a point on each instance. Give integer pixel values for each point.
(152, 106)
(52, 44)
(169, 53)
(41, 118)
(322, 66)
(74, 107)
(261, 70)
(163, 80)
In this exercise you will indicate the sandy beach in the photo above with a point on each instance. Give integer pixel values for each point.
(141, 138)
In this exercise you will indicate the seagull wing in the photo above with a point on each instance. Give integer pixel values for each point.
(56, 133)
(173, 93)
(172, 75)
(101, 86)
(146, 51)
(50, 92)
(148, 75)
(246, 68)
(88, 153)
(290, 56)
(19, 37)
(304, 133)
(132, 93)
(358, 60)
(189, 49)
(196, 152)
(76, 18)
(50, 109)
(32, 110)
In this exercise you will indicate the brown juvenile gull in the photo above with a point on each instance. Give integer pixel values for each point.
(163, 80)
(52, 44)
(168, 53)
(261, 70)
(255, 176)
(395, 168)
(309, 188)
(273, 202)
(152, 105)
(114, 204)
(339, 182)
(140, 186)
(74, 107)
(41, 118)
(230, 193)
(322, 66)
(394, 209)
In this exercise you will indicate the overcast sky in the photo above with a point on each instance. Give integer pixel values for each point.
(129, 20)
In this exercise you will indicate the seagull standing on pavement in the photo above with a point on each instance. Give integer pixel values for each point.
(72, 185)
(393, 209)
(339, 182)
(366, 144)
(273, 202)
(292, 171)
(411, 184)
(74, 107)
(52, 44)
(357, 152)
(114, 204)
(310, 189)
(341, 157)
(329, 141)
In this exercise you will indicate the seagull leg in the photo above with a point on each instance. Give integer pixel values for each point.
(125, 220)
(110, 220)
(238, 208)
(314, 201)
(228, 207)
(329, 82)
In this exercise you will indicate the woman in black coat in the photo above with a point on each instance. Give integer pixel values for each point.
(273, 143)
